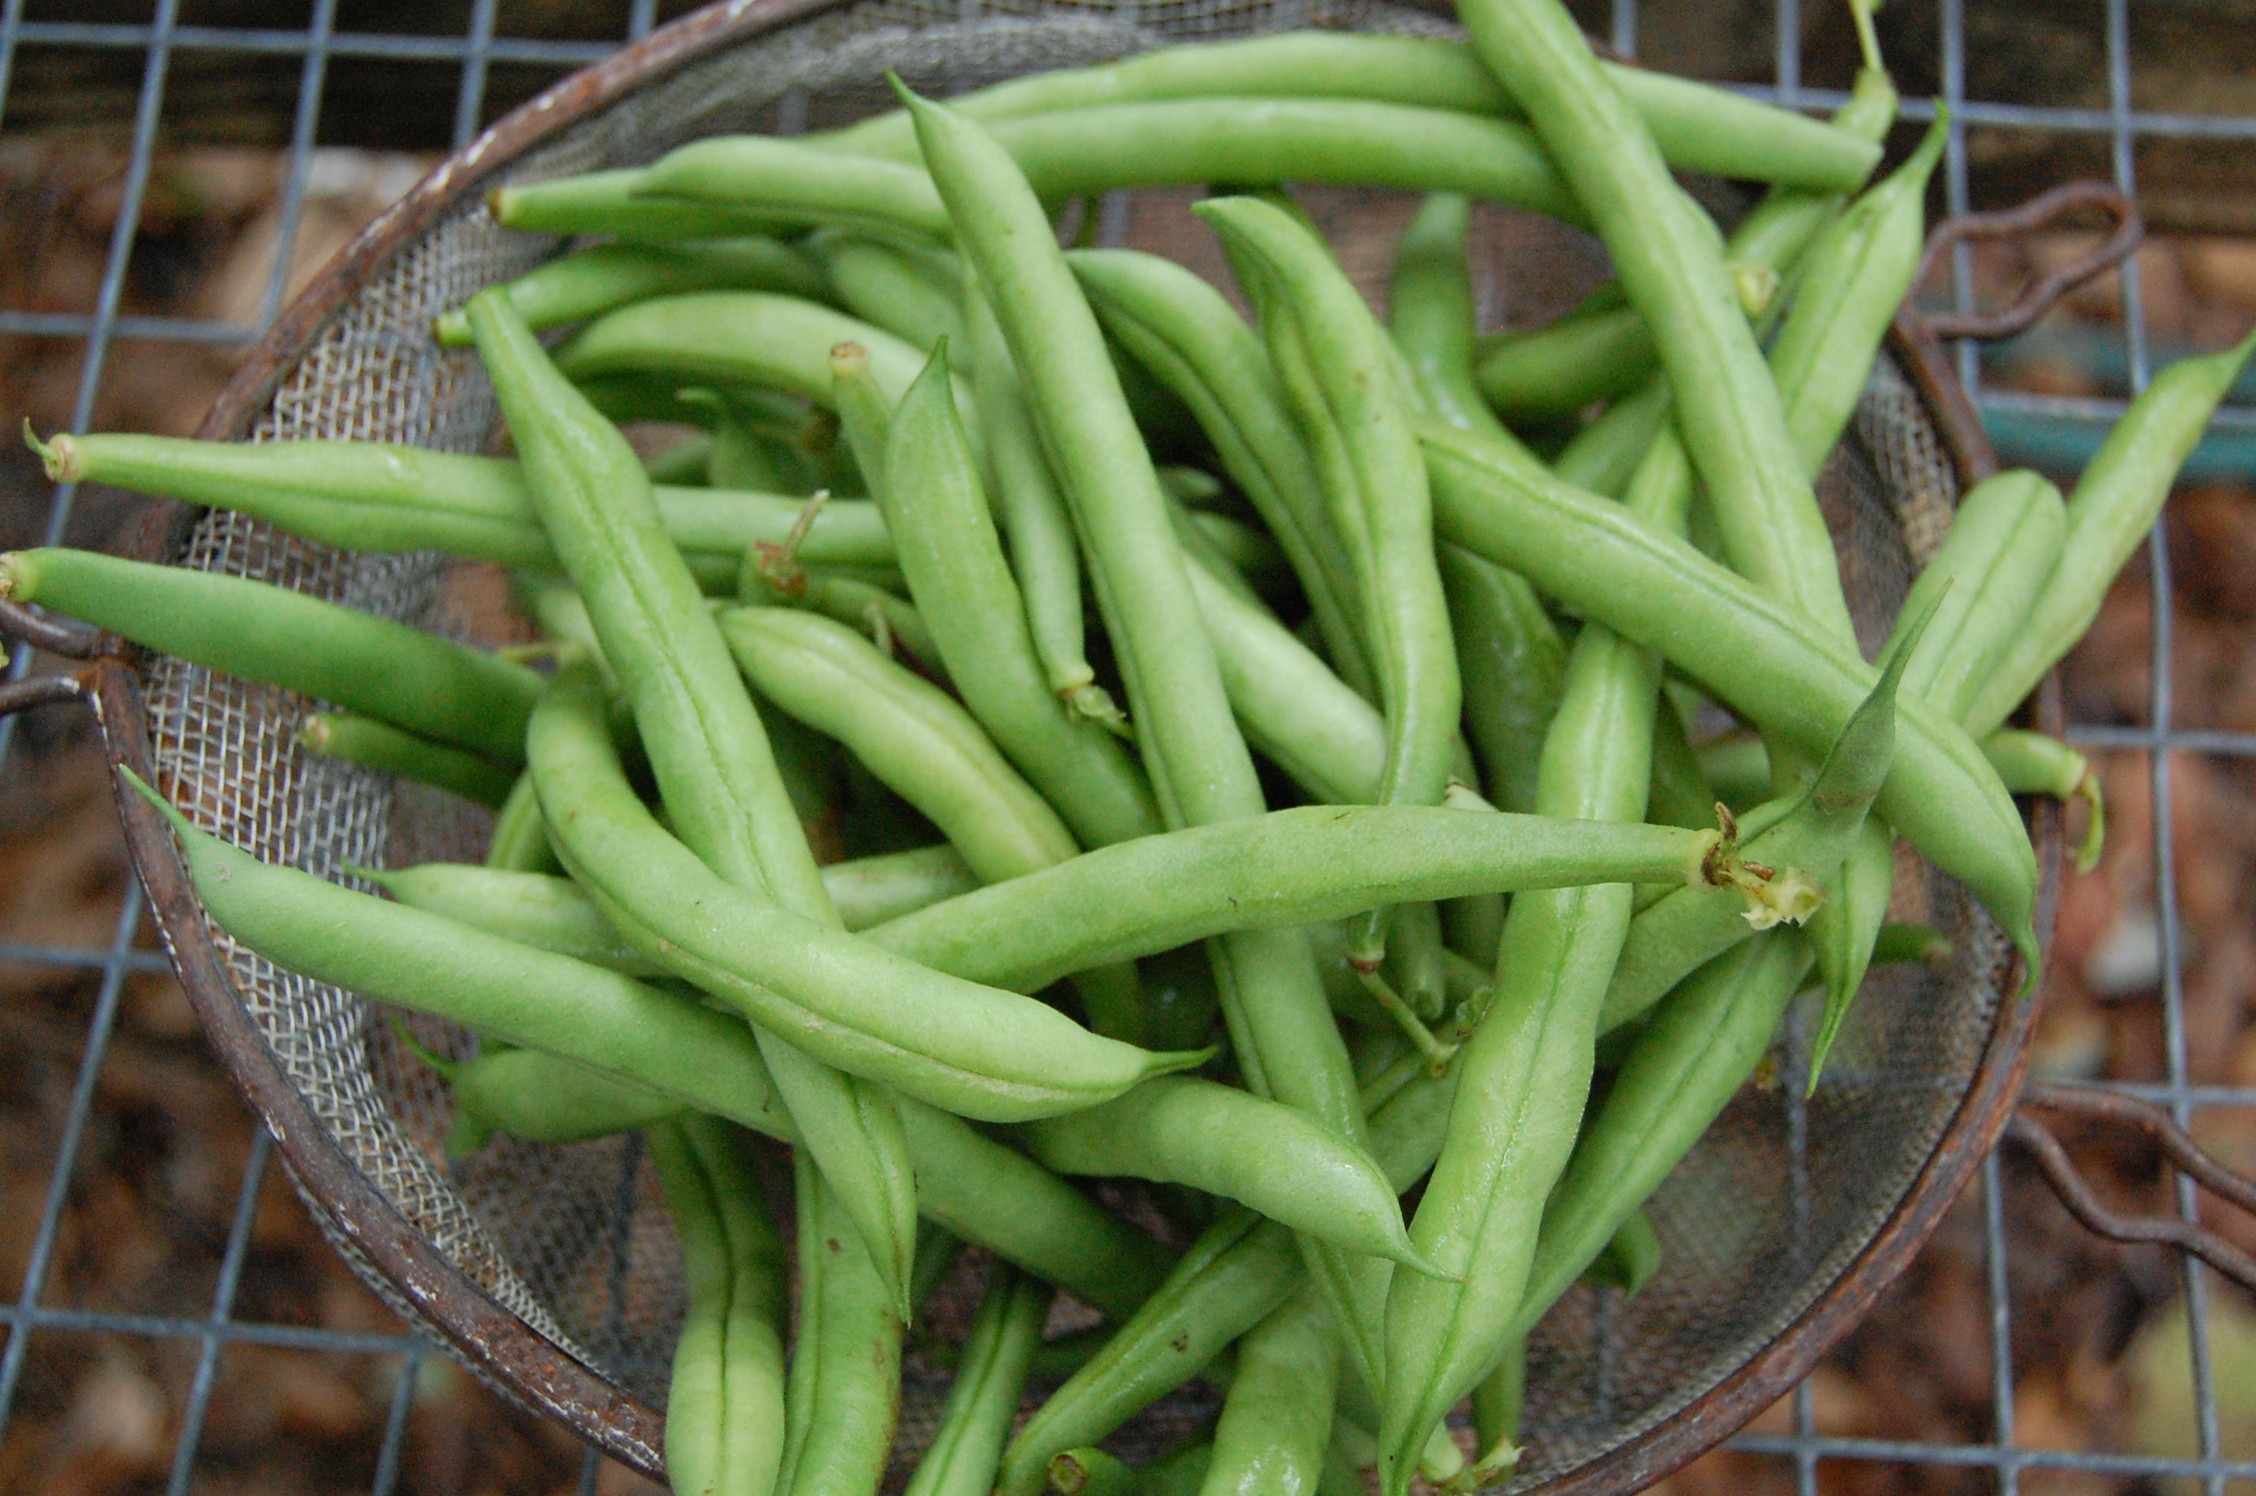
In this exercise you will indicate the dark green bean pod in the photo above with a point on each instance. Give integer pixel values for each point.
(1750, 652)
(1274, 1159)
(402, 676)
(2112, 509)
(991, 1373)
(845, 1386)
(972, 1049)
(591, 281)
(953, 560)
(1699, 127)
(382, 496)
(388, 750)
(724, 1404)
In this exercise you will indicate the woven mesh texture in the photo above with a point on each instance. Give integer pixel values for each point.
(1757, 1223)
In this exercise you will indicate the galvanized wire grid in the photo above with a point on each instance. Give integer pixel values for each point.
(474, 52)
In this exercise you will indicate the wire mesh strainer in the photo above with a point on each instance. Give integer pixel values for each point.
(552, 1270)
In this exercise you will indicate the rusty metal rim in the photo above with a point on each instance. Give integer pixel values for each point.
(543, 1376)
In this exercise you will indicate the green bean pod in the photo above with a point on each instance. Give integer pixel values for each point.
(608, 203)
(968, 1445)
(1277, 1418)
(1092, 1472)
(872, 613)
(715, 769)
(382, 496)
(1045, 554)
(845, 1386)
(2112, 509)
(2001, 549)
(1180, 1130)
(790, 178)
(724, 1405)
(1699, 127)
(535, 909)
(1496, 1411)
(398, 675)
(1671, 263)
(540, 1098)
(954, 563)
(1749, 651)
(1192, 340)
(1603, 456)
(520, 838)
(913, 294)
(591, 281)
(386, 749)
(967, 1048)
(2031, 763)
(1288, 867)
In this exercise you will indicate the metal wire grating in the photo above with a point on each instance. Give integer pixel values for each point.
(480, 47)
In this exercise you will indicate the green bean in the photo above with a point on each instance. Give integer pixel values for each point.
(1179, 1130)
(877, 614)
(1910, 942)
(971, 1049)
(1700, 128)
(1248, 552)
(1670, 259)
(534, 909)
(2032, 764)
(912, 293)
(792, 179)
(954, 564)
(1044, 552)
(520, 838)
(371, 666)
(2001, 549)
(968, 1445)
(1739, 768)
(386, 749)
(592, 1021)
(724, 1405)
(1750, 652)
(541, 1098)
(938, 1250)
(1673, 937)
(590, 282)
(1091, 1472)
(605, 202)
(1277, 1419)
(715, 769)
(1631, 1256)
(872, 890)
(1496, 1411)
(1288, 867)
(686, 462)
(749, 449)
(845, 1387)
(1684, 1066)
(1681, 794)
(2112, 509)
(382, 496)
(1604, 455)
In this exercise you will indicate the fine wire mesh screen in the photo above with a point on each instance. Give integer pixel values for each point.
(1760, 1220)
(2007, 1449)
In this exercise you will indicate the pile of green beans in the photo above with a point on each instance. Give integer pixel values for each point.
(1240, 762)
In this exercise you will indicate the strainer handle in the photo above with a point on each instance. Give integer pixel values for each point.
(2039, 211)
(60, 636)
(2076, 1193)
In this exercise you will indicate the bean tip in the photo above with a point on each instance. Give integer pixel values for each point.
(59, 455)
(452, 328)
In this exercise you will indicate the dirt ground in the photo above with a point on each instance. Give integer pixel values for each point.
(2096, 1332)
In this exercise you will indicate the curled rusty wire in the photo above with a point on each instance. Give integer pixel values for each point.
(2038, 212)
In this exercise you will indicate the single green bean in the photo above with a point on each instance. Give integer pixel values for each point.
(1984, 582)
(1631, 1257)
(1276, 1160)
(1604, 455)
(724, 1405)
(786, 178)
(972, 1049)
(520, 838)
(1681, 794)
(685, 462)
(1752, 653)
(401, 676)
(1091, 1472)
(1699, 127)
(606, 202)
(541, 1098)
(382, 496)
(845, 1386)
(1193, 341)
(990, 1374)
(535, 909)
(1496, 1412)
(954, 563)
(388, 750)
(2112, 509)
(1277, 1419)
(1562, 366)
(875, 614)
(2031, 763)
(914, 294)
(592, 281)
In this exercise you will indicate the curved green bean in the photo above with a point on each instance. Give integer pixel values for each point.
(968, 1445)
(388, 750)
(845, 1386)
(1277, 1417)
(2031, 763)
(591, 281)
